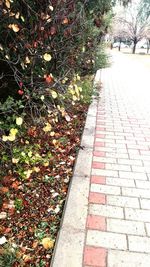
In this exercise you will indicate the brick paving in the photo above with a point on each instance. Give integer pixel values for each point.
(118, 221)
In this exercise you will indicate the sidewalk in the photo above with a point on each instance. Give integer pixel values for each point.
(107, 216)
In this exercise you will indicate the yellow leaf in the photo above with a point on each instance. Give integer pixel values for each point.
(36, 169)
(30, 154)
(11, 137)
(51, 7)
(67, 117)
(22, 18)
(28, 173)
(52, 133)
(74, 98)
(47, 243)
(15, 161)
(14, 27)
(27, 60)
(42, 97)
(46, 164)
(47, 128)
(5, 138)
(54, 94)
(47, 57)
(78, 77)
(72, 91)
(17, 15)
(80, 89)
(7, 57)
(19, 121)
(1, 48)
(13, 131)
(54, 142)
(7, 3)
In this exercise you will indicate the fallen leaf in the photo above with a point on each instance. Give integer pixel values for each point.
(3, 240)
(4, 189)
(14, 27)
(7, 230)
(47, 57)
(27, 258)
(65, 21)
(35, 244)
(15, 185)
(3, 215)
(47, 243)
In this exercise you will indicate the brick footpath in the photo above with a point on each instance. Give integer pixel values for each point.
(118, 221)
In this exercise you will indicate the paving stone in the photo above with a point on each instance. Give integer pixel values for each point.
(117, 258)
(139, 244)
(130, 162)
(106, 210)
(120, 182)
(130, 202)
(106, 189)
(105, 172)
(96, 222)
(142, 184)
(125, 227)
(135, 192)
(145, 203)
(132, 175)
(137, 215)
(97, 198)
(148, 228)
(117, 167)
(104, 159)
(106, 240)
(94, 256)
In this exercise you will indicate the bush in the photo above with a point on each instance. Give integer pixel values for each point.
(45, 46)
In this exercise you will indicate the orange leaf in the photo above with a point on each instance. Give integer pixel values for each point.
(48, 78)
(15, 185)
(65, 21)
(47, 243)
(4, 189)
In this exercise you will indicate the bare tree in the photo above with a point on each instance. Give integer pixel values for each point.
(135, 23)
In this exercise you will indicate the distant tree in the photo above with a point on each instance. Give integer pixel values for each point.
(135, 22)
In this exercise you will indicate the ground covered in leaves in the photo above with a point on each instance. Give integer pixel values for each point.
(31, 209)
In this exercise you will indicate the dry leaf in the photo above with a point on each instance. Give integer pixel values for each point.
(14, 27)
(47, 243)
(7, 3)
(54, 94)
(47, 57)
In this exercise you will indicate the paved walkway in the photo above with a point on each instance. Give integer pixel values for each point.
(117, 231)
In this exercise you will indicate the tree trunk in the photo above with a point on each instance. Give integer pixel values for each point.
(134, 48)
(119, 47)
(148, 46)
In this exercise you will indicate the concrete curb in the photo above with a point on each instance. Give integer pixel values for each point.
(69, 245)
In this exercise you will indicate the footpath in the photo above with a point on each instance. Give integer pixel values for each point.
(106, 220)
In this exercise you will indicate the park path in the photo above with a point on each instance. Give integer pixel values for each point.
(117, 230)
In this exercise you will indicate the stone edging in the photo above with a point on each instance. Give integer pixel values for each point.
(69, 245)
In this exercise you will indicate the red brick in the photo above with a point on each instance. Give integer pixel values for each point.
(98, 165)
(96, 222)
(100, 136)
(95, 256)
(98, 179)
(97, 198)
(99, 153)
(99, 144)
(100, 129)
